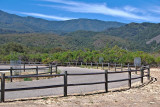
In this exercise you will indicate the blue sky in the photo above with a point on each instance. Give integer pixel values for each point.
(108, 10)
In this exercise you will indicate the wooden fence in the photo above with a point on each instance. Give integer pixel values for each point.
(100, 65)
(65, 75)
(91, 64)
(36, 69)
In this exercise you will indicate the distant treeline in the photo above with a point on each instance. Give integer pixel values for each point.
(14, 51)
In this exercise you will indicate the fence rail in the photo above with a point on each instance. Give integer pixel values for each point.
(50, 68)
(65, 75)
(91, 64)
(98, 65)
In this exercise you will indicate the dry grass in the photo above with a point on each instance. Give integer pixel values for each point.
(28, 72)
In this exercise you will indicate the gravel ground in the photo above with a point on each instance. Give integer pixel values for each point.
(147, 95)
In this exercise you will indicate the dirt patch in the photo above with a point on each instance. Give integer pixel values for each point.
(147, 95)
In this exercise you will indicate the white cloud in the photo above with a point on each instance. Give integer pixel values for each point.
(155, 9)
(45, 16)
(135, 10)
(132, 9)
(65, 2)
(80, 7)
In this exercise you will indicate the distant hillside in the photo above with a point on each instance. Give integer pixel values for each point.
(30, 24)
(156, 39)
(100, 39)
(143, 34)
(87, 25)
(4, 31)
(73, 42)
(138, 31)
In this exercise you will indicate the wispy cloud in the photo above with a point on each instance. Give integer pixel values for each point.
(45, 16)
(81, 7)
(155, 9)
(133, 9)
(65, 2)
(130, 9)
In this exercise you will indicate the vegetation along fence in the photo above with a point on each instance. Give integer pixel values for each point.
(142, 70)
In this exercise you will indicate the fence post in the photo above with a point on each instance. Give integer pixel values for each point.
(91, 64)
(129, 77)
(37, 71)
(115, 67)
(2, 87)
(148, 72)
(86, 64)
(108, 66)
(97, 65)
(106, 81)
(81, 63)
(102, 66)
(76, 64)
(56, 68)
(121, 67)
(128, 66)
(136, 68)
(65, 83)
(142, 73)
(24, 67)
(51, 69)
(11, 73)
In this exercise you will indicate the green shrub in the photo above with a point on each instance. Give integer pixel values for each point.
(27, 79)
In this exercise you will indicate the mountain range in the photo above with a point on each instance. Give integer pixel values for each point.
(78, 33)
(30, 24)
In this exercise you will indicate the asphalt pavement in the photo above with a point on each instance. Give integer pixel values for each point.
(60, 80)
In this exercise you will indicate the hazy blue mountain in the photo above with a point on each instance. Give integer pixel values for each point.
(31, 24)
